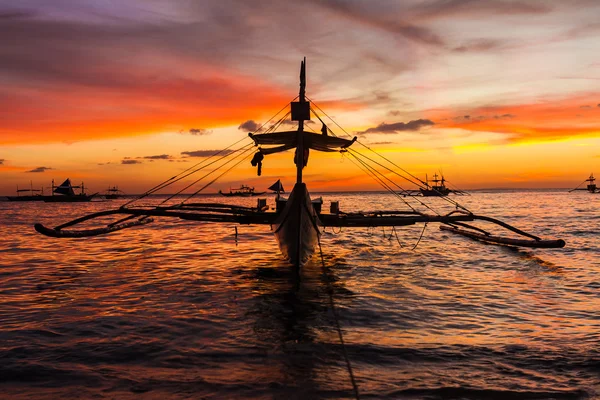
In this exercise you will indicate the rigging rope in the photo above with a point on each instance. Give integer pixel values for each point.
(214, 180)
(245, 149)
(368, 168)
(337, 324)
(420, 237)
(422, 184)
(179, 176)
(413, 197)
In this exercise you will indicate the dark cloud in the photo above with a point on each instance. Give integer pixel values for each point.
(473, 118)
(128, 161)
(394, 113)
(1, 161)
(400, 126)
(480, 45)
(16, 14)
(106, 163)
(158, 157)
(598, 104)
(450, 8)
(372, 17)
(199, 131)
(205, 153)
(381, 96)
(39, 169)
(381, 142)
(249, 125)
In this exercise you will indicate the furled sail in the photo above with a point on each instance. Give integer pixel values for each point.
(65, 188)
(288, 140)
(277, 187)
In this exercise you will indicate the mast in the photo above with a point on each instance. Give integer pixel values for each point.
(302, 106)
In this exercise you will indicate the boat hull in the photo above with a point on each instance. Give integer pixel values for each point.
(297, 227)
(434, 193)
(240, 194)
(25, 198)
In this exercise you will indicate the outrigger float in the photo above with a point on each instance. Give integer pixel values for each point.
(297, 221)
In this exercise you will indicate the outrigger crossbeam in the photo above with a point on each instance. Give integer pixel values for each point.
(223, 213)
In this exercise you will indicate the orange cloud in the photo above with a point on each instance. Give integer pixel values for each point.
(75, 113)
(542, 121)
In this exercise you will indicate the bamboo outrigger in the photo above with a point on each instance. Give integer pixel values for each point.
(297, 223)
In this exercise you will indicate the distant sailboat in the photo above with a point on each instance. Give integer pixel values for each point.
(64, 193)
(277, 187)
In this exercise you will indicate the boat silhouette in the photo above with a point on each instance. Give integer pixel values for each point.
(297, 221)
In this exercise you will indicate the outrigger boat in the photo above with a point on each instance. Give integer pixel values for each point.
(590, 187)
(113, 193)
(64, 193)
(438, 188)
(34, 194)
(297, 222)
(242, 191)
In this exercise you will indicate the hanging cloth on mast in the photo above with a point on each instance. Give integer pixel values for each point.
(304, 159)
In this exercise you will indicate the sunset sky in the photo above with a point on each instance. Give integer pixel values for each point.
(494, 94)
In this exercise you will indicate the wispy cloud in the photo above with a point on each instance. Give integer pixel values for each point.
(130, 162)
(543, 121)
(480, 45)
(466, 8)
(39, 169)
(199, 132)
(2, 161)
(205, 153)
(158, 157)
(397, 127)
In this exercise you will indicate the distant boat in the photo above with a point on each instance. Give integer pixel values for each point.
(438, 188)
(277, 187)
(242, 191)
(32, 196)
(590, 187)
(113, 193)
(65, 193)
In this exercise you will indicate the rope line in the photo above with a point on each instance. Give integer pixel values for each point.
(179, 176)
(338, 326)
(420, 237)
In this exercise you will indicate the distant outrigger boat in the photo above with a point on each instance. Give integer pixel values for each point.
(32, 196)
(591, 185)
(113, 193)
(296, 224)
(64, 193)
(242, 191)
(438, 188)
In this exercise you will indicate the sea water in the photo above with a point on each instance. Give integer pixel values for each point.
(186, 310)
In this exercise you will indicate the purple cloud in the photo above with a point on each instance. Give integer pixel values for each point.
(249, 125)
(39, 169)
(399, 126)
(204, 153)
